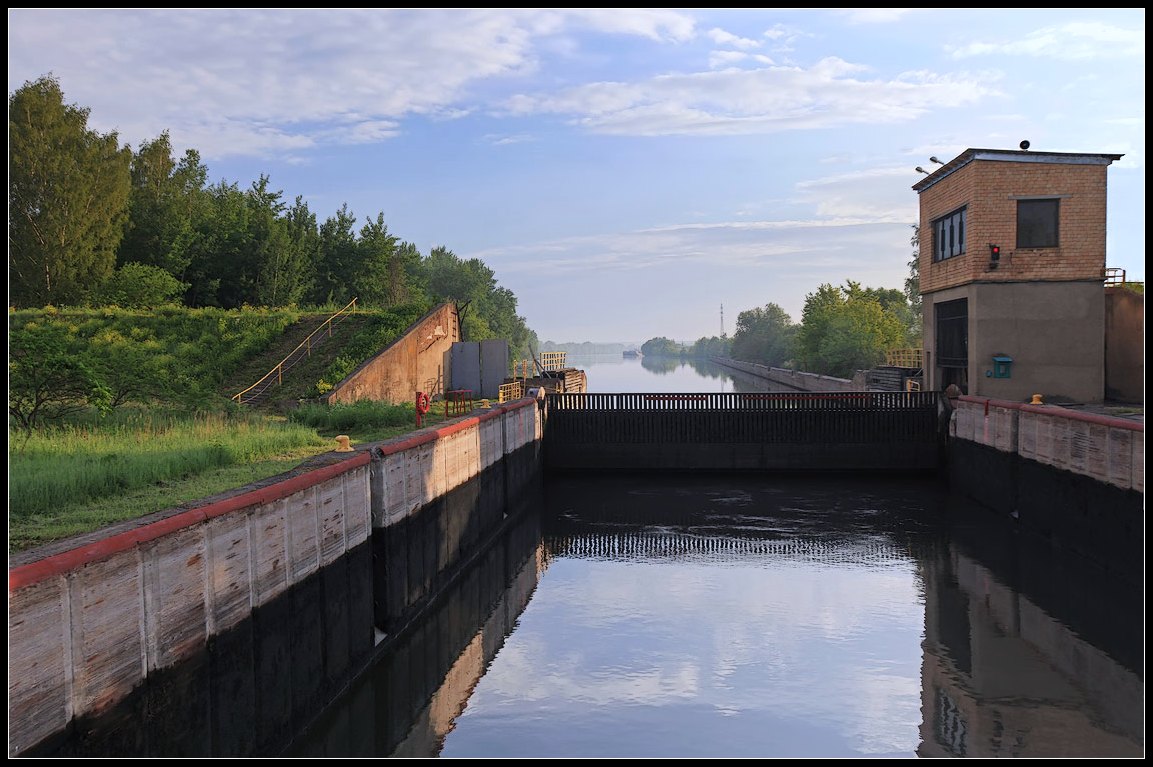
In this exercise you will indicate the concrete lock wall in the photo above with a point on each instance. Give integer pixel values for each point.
(1075, 478)
(88, 624)
(794, 379)
(416, 361)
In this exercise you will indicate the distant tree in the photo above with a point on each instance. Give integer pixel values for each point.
(895, 303)
(819, 309)
(715, 346)
(857, 338)
(465, 282)
(165, 203)
(661, 347)
(487, 310)
(290, 256)
(220, 271)
(335, 278)
(405, 284)
(848, 329)
(140, 286)
(913, 281)
(68, 192)
(376, 260)
(268, 267)
(764, 335)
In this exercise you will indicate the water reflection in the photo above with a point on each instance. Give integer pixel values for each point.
(612, 373)
(1028, 653)
(698, 617)
(408, 701)
(661, 365)
(702, 618)
(758, 617)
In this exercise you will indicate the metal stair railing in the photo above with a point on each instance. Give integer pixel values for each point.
(275, 376)
(904, 358)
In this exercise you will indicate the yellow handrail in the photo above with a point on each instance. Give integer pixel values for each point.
(510, 391)
(904, 358)
(549, 361)
(306, 344)
(552, 360)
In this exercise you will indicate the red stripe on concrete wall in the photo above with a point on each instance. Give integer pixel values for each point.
(1056, 411)
(59, 564)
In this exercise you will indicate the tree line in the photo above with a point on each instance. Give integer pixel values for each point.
(843, 329)
(95, 223)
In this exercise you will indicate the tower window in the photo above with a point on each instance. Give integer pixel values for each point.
(949, 235)
(1037, 223)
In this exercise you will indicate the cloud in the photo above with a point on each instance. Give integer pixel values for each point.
(875, 195)
(1075, 41)
(504, 140)
(817, 243)
(850, 212)
(273, 80)
(764, 100)
(722, 59)
(721, 37)
(656, 24)
(874, 15)
(783, 36)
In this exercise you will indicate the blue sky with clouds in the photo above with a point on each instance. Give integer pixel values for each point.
(624, 172)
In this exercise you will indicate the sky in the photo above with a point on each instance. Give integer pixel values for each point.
(626, 173)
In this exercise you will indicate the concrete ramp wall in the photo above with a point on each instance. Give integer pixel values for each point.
(417, 361)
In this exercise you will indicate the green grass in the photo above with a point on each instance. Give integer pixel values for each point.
(361, 416)
(75, 518)
(73, 479)
(77, 478)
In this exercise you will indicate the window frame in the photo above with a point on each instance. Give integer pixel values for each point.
(949, 234)
(1042, 233)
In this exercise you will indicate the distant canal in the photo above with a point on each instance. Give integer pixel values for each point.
(755, 616)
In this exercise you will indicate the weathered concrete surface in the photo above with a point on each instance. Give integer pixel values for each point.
(417, 361)
(1076, 479)
(796, 380)
(90, 622)
(1104, 448)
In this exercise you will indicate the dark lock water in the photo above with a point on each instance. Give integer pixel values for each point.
(756, 616)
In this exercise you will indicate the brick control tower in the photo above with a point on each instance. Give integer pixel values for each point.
(1012, 269)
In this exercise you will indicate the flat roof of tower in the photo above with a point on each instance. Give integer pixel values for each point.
(1012, 155)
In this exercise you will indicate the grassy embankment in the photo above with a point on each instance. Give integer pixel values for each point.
(88, 471)
(72, 479)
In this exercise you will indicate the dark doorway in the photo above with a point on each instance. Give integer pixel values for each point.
(952, 322)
